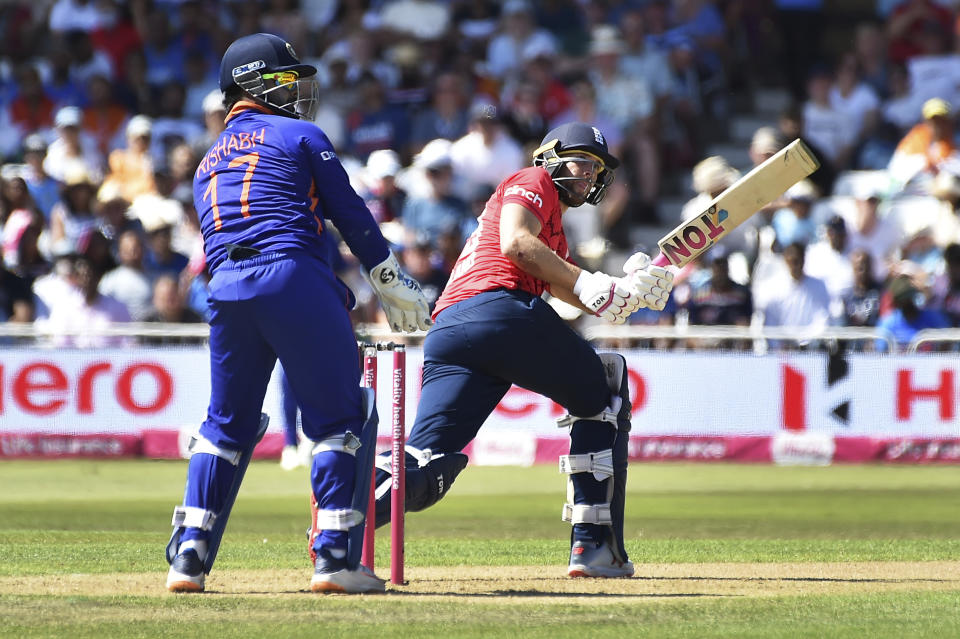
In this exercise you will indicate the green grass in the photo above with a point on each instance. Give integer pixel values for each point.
(112, 518)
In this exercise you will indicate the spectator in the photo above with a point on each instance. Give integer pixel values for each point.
(909, 315)
(421, 19)
(797, 300)
(523, 119)
(518, 31)
(85, 61)
(111, 210)
(73, 151)
(164, 56)
(131, 167)
(437, 209)
(128, 282)
(160, 258)
(117, 37)
(861, 304)
(74, 213)
(16, 299)
(879, 235)
(44, 189)
(831, 130)
(418, 260)
(947, 286)
(17, 211)
(857, 100)
(912, 24)
(829, 260)
(55, 288)
(30, 263)
(799, 26)
(790, 126)
(85, 15)
(681, 129)
(793, 223)
(169, 304)
(214, 116)
(486, 154)
(925, 149)
(78, 319)
(718, 300)
(59, 81)
(629, 101)
(380, 191)
(104, 117)
(32, 109)
(446, 116)
(171, 127)
(374, 124)
(709, 178)
(870, 49)
(201, 82)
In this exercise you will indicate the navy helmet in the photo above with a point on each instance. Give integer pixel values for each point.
(253, 59)
(579, 139)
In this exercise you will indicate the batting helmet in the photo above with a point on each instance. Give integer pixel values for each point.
(252, 59)
(579, 139)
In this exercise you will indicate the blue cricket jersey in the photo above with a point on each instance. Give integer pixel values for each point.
(269, 183)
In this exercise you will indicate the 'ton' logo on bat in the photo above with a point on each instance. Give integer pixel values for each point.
(697, 235)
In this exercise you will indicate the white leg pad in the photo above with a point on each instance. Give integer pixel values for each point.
(343, 519)
(599, 463)
(587, 514)
(609, 414)
(193, 517)
(200, 444)
(346, 443)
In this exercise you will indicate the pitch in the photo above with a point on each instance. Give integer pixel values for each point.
(721, 550)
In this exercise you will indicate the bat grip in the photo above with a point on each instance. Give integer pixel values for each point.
(661, 260)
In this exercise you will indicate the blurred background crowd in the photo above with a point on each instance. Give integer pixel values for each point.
(108, 106)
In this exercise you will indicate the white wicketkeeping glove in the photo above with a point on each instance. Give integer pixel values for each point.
(652, 283)
(610, 298)
(400, 295)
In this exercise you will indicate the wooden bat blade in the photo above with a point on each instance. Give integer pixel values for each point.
(765, 183)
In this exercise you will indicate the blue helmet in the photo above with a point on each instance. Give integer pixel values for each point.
(581, 139)
(252, 59)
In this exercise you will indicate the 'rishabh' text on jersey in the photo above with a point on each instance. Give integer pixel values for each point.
(269, 182)
(481, 266)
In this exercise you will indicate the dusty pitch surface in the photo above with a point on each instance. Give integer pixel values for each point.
(654, 581)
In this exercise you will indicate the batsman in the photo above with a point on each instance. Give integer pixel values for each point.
(264, 192)
(492, 329)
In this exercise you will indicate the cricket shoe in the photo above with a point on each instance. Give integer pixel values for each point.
(588, 559)
(331, 575)
(186, 573)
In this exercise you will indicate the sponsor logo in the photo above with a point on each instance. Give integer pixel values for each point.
(598, 136)
(695, 237)
(386, 276)
(248, 67)
(525, 194)
(291, 51)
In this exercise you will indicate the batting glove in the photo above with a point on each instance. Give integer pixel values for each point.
(652, 283)
(609, 298)
(400, 296)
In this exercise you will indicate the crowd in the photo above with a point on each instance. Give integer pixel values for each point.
(107, 107)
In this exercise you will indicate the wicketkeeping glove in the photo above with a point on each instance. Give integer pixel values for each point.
(610, 298)
(652, 283)
(400, 295)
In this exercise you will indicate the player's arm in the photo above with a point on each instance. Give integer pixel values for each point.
(519, 243)
(596, 293)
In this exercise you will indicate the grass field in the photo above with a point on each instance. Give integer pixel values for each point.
(721, 551)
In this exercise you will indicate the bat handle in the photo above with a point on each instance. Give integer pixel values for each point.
(661, 260)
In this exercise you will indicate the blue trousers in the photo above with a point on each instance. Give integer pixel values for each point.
(290, 307)
(480, 346)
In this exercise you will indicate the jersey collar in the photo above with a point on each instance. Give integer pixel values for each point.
(244, 105)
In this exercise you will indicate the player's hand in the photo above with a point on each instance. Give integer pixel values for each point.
(609, 298)
(652, 283)
(400, 295)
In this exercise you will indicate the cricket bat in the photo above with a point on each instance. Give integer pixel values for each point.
(765, 183)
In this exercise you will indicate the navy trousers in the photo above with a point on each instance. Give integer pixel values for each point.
(480, 346)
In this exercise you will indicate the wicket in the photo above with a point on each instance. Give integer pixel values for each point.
(397, 455)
